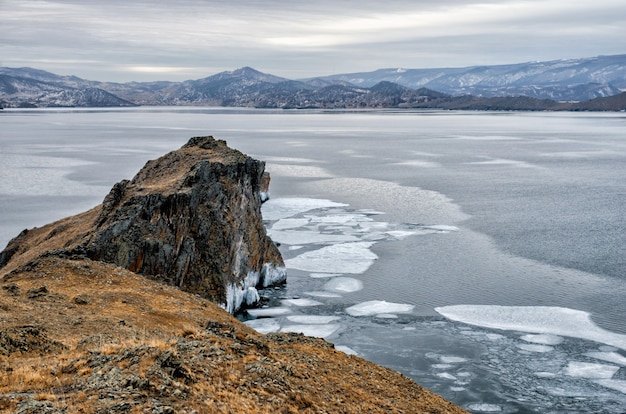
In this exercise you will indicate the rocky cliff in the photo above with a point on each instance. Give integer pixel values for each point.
(191, 219)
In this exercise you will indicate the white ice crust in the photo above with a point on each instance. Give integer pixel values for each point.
(319, 331)
(590, 370)
(343, 285)
(279, 208)
(534, 319)
(339, 258)
(375, 307)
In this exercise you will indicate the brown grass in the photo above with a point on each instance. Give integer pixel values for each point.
(147, 345)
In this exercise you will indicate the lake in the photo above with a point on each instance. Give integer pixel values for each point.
(482, 254)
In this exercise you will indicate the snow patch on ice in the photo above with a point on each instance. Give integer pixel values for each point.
(534, 319)
(375, 307)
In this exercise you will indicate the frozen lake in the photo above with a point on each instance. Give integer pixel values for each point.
(480, 253)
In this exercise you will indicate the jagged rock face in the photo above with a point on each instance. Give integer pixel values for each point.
(192, 219)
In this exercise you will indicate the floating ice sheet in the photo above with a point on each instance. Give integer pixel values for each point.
(590, 370)
(615, 384)
(323, 294)
(264, 325)
(375, 307)
(301, 302)
(312, 319)
(257, 313)
(319, 331)
(535, 347)
(544, 339)
(276, 209)
(346, 350)
(484, 408)
(289, 223)
(339, 258)
(534, 319)
(343, 285)
(613, 357)
(308, 237)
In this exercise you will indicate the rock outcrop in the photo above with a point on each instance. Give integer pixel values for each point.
(191, 219)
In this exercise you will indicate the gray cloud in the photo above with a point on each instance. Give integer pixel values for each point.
(146, 40)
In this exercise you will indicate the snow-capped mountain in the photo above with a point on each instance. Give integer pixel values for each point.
(560, 80)
(524, 86)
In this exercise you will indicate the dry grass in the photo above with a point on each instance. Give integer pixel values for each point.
(130, 340)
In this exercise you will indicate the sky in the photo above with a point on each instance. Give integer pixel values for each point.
(126, 40)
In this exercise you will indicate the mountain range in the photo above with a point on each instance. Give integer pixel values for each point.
(597, 83)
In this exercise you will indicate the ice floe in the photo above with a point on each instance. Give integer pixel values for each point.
(375, 307)
(615, 384)
(267, 312)
(339, 258)
(535, 347)
(301, 302)
(534, 319)
(590, 370)
(323, 294)
(290, 223)
(346, 350)
(280, 208)
(319, 331)
(294, 237)
(343, 285)
(264, 325)
(312, 319)
(484, 408)
(545, 339)
(613, 357)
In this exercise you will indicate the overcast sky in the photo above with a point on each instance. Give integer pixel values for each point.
(124, 40)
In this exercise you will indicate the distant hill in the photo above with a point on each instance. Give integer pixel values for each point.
(559, 80)
(553, 85)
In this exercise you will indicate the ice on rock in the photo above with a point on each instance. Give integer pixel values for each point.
(613, 357)
(534, 319)
(302, 302)
(590, 370)
(339, 258)
(280, 208)
(264, 325)
(266, 312)
(544, 339)
(343, 285)
(312, 319)
(318, 331)
(375, 307)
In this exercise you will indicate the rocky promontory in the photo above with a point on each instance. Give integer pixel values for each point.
(120, 309)
(191, 219)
